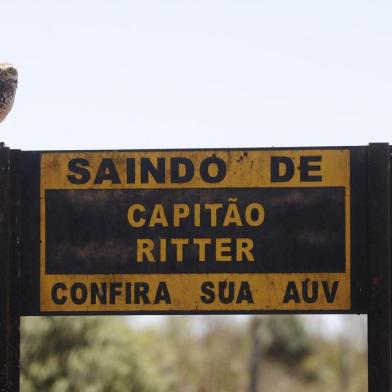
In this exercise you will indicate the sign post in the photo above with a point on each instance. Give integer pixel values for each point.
(379, 239)
(9, 265)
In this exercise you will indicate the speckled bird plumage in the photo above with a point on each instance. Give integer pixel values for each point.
(8, 85)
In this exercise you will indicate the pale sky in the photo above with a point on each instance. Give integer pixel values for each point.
(98, 74)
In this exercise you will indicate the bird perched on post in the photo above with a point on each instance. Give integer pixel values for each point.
(8, 85)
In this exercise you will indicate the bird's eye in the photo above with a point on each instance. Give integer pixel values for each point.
(11, 70)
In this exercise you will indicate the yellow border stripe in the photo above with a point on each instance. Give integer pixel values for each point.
(247, 168)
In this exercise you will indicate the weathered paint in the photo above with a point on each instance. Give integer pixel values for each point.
(297, 286)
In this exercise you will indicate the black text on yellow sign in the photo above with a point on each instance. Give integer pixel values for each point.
(195, 231)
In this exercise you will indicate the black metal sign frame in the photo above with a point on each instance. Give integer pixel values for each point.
(374, 299)
(379, 245)
(309, 253)
(9, 274)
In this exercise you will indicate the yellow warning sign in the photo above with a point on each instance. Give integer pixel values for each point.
(195, 231)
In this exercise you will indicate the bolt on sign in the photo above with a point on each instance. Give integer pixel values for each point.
(194, 231)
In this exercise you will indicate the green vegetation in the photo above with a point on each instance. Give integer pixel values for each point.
(73, 354)
(99, 354)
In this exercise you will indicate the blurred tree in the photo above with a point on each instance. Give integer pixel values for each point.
(286, 340)
(203, 354)
(281, 339)
(73, 354)
(256, 354)
(186, 354)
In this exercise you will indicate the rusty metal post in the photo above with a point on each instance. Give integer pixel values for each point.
(379, 248)
(9, 271)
